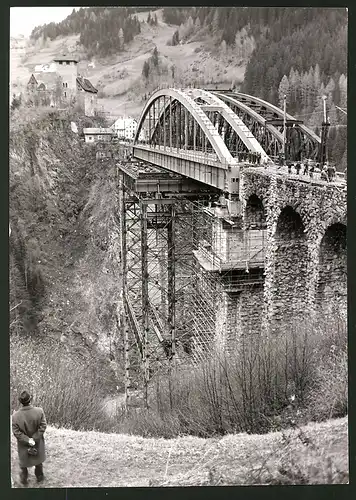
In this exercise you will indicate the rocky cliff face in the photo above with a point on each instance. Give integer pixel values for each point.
(63, 234)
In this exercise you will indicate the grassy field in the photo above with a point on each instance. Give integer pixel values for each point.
(314, 454)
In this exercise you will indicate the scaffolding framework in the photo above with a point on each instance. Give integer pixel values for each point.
(174, 277)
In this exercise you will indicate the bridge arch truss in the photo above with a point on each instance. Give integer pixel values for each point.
(220, 125)
(266, 123)
(172, 121)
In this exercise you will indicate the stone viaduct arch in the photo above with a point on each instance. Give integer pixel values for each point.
(332, 279)
(291, 266)
(255, 215)
(305, 262)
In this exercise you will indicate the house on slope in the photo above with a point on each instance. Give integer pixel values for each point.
(32, 84)
(87, 96)
(125, 128)
(93, 135)
(43, 89)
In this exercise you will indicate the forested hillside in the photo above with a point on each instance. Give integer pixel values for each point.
(297, 52)
(284, 38)
(103, 31)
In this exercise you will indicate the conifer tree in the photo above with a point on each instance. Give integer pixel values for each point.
(329, 91)
(315, 119)
(223, 48)
(333, 114)
(146, 69)
(215, 22)
(283, 90)
(155, 57)
(175, 38)
(121, 38)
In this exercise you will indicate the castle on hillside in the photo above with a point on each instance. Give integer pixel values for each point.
(59, 84)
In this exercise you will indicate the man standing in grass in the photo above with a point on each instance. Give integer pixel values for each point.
(28, 426)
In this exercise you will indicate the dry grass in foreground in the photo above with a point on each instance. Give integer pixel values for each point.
(314, 454)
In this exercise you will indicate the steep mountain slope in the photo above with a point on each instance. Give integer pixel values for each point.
(308, 47)
(62, 216)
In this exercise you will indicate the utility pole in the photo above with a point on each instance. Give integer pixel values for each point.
(284, 125)
(324, 107)
(324, 134)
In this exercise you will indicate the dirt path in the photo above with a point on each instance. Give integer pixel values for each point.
(112, 405)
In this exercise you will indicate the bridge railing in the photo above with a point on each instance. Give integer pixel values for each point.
(196, 156)
(240, 156)
(244, 159)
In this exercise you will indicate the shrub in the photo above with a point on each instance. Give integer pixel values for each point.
(330, 398)
(301, 459)
(67, 387)
(266, 383)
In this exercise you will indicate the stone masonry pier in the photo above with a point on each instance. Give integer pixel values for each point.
(305, 257)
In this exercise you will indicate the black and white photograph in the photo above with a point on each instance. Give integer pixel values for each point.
(177, 246)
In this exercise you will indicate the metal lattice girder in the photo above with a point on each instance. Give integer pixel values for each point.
(279, 112)
(234, 121)
(209, 132)
(256, 117)
(311, 141)
(178, 122)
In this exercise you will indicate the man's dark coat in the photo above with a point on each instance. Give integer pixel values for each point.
(29, 422)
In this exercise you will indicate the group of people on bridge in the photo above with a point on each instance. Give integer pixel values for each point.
(307, 168)
(249, 156)
(327, 173)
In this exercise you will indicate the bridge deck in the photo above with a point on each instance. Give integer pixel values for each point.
(315, 180)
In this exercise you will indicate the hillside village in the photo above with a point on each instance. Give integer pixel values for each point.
(58, 84)
(118, 78)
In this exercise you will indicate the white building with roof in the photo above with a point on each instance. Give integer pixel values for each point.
(93, 135)
(46, 68)
(126, 127)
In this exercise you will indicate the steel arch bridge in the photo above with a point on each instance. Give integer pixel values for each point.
(266, 121)
(205, 135)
